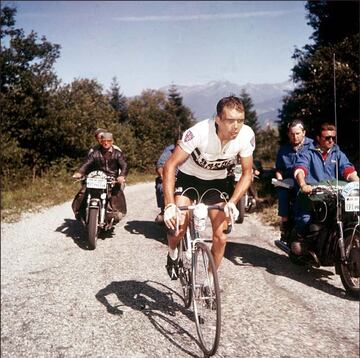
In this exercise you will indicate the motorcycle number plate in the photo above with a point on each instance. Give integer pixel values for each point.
(96, 183)
(352, 203)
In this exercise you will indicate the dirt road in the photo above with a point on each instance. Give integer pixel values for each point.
(59, 299)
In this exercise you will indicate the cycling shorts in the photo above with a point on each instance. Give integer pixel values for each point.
(185, 182)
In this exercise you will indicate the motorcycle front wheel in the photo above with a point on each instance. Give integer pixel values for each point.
(350, 272)
(92, 227)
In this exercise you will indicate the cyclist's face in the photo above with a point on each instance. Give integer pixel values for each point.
(296, 135)
(229, 123)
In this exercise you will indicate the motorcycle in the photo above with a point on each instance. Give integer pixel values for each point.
(333, 237)
(248, 202)
(97, 215)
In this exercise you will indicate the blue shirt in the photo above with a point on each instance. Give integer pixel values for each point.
(165, 155)
(287, 156)
(318, 169)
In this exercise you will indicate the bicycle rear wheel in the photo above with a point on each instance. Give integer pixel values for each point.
(185, 271)
(207, 305)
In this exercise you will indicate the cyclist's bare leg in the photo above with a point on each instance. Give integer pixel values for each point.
(219, 224)
(175, 237)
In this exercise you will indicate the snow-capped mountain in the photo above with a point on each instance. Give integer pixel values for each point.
(202, 99)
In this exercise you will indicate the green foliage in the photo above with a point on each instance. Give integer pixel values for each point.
(336, 33)
(79, 109)
(27, 88)
(266, 150)
(182, 116)
(118, 101)
(251, 118)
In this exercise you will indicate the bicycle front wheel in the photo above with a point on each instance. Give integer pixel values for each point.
(185, 271)
(207, 305)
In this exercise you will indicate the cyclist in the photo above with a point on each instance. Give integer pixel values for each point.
(202, 157)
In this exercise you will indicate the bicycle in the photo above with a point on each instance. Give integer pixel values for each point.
(198, 276)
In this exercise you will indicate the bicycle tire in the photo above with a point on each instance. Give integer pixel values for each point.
(185, 272)
(206, 303)
(92, 227)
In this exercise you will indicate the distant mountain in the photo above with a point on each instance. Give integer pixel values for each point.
(202, 99)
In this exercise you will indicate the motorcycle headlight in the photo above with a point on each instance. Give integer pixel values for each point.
(103, 196)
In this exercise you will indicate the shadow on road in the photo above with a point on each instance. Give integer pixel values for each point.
(157, 305)
(280, 265)
(149, 229)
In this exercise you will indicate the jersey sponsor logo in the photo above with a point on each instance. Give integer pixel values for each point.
(219, 164)
(188, 136)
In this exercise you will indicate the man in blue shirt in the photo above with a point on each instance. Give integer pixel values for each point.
(322, 161)
(158, 181)
(285, 161)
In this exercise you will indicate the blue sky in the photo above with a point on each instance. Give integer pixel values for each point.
(150, 44)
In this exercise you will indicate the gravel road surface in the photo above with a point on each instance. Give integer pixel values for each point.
(60, 299)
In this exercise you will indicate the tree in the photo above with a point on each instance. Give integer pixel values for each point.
(118, 101)
(182, 115)
(28, 84)
(251, 118)
(336, 32)
(81, 107)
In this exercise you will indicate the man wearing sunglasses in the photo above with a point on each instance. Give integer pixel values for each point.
(322, 161)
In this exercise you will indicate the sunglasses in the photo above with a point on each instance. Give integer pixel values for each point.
(328, 137)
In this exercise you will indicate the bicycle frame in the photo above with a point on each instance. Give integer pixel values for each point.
(206, 300)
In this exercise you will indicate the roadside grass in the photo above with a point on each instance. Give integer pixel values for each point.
(32, 196)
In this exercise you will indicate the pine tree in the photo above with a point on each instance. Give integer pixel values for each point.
(336, 31)
(118, 101)
(251, 118)
(182, 115)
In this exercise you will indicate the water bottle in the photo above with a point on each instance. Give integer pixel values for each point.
(200, 214)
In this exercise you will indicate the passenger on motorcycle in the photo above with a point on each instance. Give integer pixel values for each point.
(98, 136)
(322, 161)
(205, 152)
(111, 161)
(284, 166)
(159, 166)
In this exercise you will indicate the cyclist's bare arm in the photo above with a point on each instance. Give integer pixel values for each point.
(245, 181)
(177, 157)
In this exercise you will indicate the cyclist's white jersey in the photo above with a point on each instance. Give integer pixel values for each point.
(207, 159)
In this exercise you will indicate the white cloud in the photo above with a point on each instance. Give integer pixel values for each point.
(204, 17)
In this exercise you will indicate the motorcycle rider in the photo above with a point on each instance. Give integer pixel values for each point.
(284, 165)
(319, 162)
(111, 161)
(98, 135)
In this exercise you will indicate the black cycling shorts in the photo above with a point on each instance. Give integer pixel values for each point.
(184, 181)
